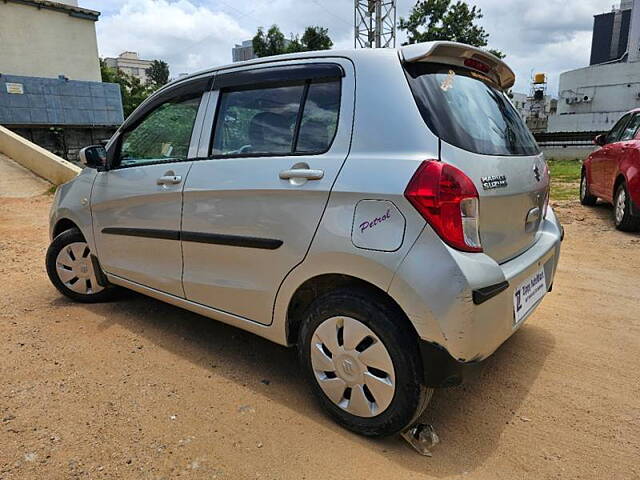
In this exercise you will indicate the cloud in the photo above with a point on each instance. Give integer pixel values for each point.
(187, 36)
(548, 36)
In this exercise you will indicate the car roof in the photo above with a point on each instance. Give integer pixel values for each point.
(409, 53)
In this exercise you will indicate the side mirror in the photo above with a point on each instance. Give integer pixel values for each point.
(94, 156)
(600, 139)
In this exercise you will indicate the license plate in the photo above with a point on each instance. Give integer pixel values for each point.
(527, 294)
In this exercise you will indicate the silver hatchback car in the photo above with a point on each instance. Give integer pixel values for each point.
(385, 211)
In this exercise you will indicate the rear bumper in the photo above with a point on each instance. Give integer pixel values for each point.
(435, 286)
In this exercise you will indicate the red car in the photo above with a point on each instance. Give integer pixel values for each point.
(612, 172)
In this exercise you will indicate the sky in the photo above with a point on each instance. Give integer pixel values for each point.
(550, 36)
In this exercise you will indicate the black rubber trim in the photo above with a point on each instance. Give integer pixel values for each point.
(481, 295)
(143, 232)
(100, 276)
(259, 77)
(198, 237)
(441, 370)
(232, 240)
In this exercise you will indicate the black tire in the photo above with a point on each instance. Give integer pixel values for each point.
(410, 397)
(624, 219)
(60, 242)
(585, 196)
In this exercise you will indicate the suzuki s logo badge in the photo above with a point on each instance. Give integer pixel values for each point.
(494, 181)
(536, 172)
(347, 366)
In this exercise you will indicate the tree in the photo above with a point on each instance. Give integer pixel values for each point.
(158, 73)
(316, 38)
(274, 43)
(132, 90)
(432, 20)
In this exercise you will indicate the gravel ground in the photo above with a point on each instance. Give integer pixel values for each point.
(135, 388)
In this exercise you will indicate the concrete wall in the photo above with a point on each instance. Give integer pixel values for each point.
(35, 158)
(567, 153)
(47, 43)
(611, 89)
(64, 142)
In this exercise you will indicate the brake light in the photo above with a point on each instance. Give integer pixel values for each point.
(476, 64)
(448, 200)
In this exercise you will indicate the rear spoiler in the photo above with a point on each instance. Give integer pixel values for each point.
(459, 54)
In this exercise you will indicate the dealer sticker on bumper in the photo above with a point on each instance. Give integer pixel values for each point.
(527, 294)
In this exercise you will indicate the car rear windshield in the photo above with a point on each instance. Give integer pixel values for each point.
(466, 111)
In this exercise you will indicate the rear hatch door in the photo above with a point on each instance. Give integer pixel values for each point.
(459, 91)
(512, 192)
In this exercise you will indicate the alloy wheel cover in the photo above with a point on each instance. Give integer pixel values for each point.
(352, 366)
(75, 269)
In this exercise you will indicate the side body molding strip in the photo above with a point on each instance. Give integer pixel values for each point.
(212, 238)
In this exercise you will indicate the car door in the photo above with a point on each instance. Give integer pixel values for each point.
(136, 204)
(620, 151)
(603, 158)
(251, 209)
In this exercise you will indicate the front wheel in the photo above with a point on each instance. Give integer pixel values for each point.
(585, 197)
(71, 269)
(624, 219)
(362, 362)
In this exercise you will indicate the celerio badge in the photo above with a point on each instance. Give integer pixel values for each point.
(494, 181)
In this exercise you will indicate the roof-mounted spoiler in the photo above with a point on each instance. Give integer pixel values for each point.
(462, 55)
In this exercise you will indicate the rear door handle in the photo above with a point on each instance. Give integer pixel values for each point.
(301, 173)
(169, 180)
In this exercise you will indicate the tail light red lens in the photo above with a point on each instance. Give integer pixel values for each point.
(449, 201)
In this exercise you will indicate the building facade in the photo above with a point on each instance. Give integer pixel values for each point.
(243, 52)
(51, 90)
(131, 64)
(593, 98)
(41, 38)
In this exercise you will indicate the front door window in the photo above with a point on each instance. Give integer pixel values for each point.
(163, 136)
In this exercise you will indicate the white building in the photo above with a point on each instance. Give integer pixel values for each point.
(242, 52)
(593, 98)
(131, 64)
(40, 38)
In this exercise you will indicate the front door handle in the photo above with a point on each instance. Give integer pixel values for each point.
(301, 173)
(169, 180)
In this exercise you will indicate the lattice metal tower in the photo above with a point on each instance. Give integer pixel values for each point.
(374, 23)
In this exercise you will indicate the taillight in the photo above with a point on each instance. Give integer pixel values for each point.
(448, 200)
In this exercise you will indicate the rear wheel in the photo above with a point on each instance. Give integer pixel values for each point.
(585, 197)
(71, 269)
(624, 219)
(362, 363)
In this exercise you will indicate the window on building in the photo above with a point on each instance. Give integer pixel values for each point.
(164, 135)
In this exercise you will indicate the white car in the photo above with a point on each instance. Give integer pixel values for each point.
(385, 211)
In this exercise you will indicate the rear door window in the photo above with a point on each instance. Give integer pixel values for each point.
(319, 118)
(278, 120)
(465, 110)
(257, 122)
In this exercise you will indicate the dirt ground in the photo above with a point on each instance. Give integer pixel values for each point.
(139, 389)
